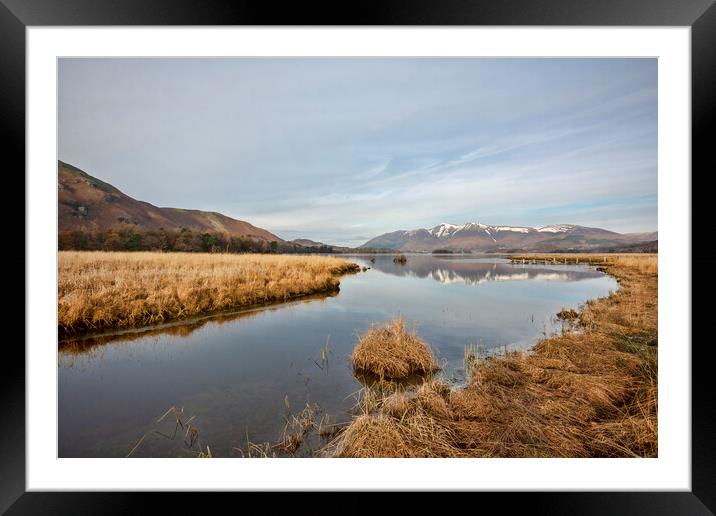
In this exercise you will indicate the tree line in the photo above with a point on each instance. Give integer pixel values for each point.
(184, 240)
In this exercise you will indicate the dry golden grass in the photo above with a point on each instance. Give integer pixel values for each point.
(591, 393)
(644, 262)
(390, 351)
(399, 424)
(109, 290)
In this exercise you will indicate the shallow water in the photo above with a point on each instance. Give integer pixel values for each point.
(241, 375)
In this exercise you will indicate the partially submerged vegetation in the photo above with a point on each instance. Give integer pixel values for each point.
(568, 314)
(646, 263)
(401, 259)
(390, 351)
(110, 290)
(590, 393)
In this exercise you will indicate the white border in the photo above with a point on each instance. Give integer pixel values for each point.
(671, 471)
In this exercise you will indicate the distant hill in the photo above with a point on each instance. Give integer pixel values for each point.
(641, 247)
(474, 236)
(320, 246)
(89, 204)
(305, 242)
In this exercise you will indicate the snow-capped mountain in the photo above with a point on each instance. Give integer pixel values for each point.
(473, 236)
(446, 230)
(557, 228)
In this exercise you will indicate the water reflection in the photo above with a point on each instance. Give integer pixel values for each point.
(477, 271)
(238, 374)
(181, 328)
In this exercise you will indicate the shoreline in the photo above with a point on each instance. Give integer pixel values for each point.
(105, 293)
(591, 393)
(198, 320)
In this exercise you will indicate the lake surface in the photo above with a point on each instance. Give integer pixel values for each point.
(237, 377)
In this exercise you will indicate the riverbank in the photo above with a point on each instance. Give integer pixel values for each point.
(100, 291)
(588, 392)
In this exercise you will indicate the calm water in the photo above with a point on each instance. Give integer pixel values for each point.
(240, 376)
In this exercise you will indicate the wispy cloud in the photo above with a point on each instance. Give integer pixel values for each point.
(341, 150)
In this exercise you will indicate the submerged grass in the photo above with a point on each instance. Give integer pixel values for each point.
(390, 351)
(184, 429)
(296, 428)
(643, 262)
(591, 393)
(113, 290)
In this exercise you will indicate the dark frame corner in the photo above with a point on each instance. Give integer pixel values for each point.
(700, 15)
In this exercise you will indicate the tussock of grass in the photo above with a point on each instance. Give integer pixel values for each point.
(390, 351)
(109, 290)
(587, 394)
(401, 425)
(567, 314)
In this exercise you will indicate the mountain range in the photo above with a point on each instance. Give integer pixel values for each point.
(474, 236)
(86, 203)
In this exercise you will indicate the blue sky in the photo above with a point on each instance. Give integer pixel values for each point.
(342, 150)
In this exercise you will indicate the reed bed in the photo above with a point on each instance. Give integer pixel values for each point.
(390, 351)
(114, 290)
(644, 262)
(591, 393)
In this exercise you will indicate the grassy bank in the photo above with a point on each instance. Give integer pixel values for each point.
(111, 290)
(585, 393)
(647, 263)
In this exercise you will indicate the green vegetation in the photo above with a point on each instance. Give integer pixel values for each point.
(184, 240)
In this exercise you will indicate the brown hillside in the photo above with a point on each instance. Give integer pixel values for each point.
(86, 203)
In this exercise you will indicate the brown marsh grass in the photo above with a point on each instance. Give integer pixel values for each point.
(644, 262)
(111, 290)
(390, 351)
(590, 393)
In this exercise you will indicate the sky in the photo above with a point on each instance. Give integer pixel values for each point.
(341, 150)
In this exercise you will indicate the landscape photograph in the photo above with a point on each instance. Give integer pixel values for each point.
(357, 257)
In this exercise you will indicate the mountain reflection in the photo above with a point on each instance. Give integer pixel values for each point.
(476, 271)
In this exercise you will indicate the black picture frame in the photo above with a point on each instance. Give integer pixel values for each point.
(700, 15)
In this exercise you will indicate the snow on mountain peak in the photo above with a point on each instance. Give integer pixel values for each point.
(556, 228)
(445, 229)
(516, 229)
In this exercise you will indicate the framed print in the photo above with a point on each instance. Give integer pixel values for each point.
(414, 250)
